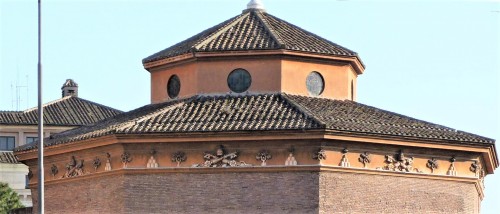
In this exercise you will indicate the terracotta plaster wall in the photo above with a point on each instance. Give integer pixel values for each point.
(337, 78)
(285, 192)
(212, 75)
(187, 74)
(361, 193)
(103, 195)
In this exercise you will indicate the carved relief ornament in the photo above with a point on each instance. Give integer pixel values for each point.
(74, 168)
(399, 163)
(126, 158)
(179, 157)
(152, 163)
(452, 170)
(320, 154)
(221, 158)
(432, 164)
(263, 156)
(54, 170)
(291, 161)
(364, 158)
(344, 162)
(96, 163)
(108, 162)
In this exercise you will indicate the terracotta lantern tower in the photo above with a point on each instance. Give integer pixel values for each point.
(257, 115)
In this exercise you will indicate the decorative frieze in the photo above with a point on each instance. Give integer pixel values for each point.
(364, 158)
(344, 162)
(126, 158)
(96, 163)
(452, 170)
(320, 154)
(53, 170)
(152, 160)
(179, 157)
(263, 156)
(221, 158)
(108, 162)
(432, 164)
(74, 168)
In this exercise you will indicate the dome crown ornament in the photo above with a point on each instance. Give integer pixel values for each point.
(255, 5)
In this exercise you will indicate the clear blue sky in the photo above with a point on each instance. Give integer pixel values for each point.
(437, 61)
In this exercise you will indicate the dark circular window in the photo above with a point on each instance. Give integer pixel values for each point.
(239, 80)
(173, 86)
(315, 83)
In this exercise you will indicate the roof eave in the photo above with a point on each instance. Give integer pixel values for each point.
(354, 61)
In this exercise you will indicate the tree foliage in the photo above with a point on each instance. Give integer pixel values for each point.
(9, 199)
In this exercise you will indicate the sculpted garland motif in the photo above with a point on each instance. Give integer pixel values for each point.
(221, 159)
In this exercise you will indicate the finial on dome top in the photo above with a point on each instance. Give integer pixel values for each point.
(255, 5)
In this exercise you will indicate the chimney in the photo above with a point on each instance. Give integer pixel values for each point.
(69, 88)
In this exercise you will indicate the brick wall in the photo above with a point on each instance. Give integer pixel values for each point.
(361, 193)
(100, 195)
(260, 192)
(285, 192)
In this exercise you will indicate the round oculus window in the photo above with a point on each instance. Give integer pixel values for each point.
(173, 86)
(315, 83)
(239, 80)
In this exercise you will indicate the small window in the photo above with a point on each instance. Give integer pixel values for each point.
(239, 80)
(31, 139)
(352, 90)
(173, 86)
(315, 83)
(7, 143)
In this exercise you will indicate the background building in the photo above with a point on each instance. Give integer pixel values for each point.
(18, 128)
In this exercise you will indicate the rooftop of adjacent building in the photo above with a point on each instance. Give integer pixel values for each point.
(70, 110)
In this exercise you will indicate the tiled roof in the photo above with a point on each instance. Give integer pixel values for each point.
(8, 157)
(67, 111)
(253, 30)
(265, 112)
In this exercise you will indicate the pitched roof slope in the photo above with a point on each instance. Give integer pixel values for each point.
(264, 112)
(67, 111)
(253, 30)
(8, 157)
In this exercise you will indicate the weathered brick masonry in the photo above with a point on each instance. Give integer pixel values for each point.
(360, 193)
(260, 192)
(104, 195)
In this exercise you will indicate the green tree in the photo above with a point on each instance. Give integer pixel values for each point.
(8, 199)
